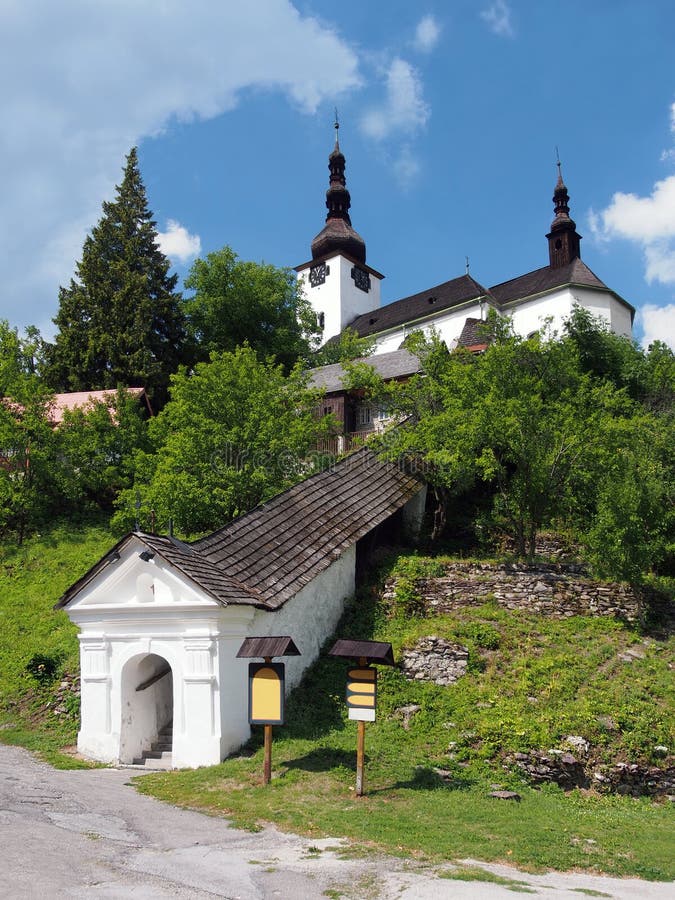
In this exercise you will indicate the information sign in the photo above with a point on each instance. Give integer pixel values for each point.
(266, 693)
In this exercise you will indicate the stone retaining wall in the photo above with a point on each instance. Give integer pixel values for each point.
(550, 589)
(564, 769)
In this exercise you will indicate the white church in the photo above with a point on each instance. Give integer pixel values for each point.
(345, 292)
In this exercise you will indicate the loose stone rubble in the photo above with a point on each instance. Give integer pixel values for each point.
(434, 659)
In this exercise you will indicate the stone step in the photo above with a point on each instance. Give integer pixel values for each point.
(144, 762)
(164, 744)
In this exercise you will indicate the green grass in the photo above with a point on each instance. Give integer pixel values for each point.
(32, 578)
(531, 682)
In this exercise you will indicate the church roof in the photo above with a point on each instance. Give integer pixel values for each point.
(266, 556)
(546, 279)
(419, 306)
(465, 288)
(396, 364)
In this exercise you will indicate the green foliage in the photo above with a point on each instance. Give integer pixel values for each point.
(43, 667)
(97, 446)
(120, 321)
(235, 432)
(554, 441)
(346, 346)
(236, 303)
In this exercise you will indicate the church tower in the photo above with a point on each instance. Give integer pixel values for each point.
(563, 240)
(336, 281)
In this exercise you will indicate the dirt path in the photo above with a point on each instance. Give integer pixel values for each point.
(87, 833)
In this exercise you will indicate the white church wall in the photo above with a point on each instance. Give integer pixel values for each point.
(311, 616)
(531, 315)
(448, 325)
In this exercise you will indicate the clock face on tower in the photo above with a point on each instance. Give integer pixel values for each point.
(317, 274)
(361, 278)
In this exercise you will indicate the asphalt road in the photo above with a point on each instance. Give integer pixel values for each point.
(87, 833)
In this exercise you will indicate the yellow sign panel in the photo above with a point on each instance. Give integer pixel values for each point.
(266, 693)
(361, 688)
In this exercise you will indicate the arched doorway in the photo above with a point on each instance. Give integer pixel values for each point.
(147, 707)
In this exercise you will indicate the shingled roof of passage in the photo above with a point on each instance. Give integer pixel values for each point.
(266, 556)
(282, 545)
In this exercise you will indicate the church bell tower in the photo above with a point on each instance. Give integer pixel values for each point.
(563, 239)
(336, 281)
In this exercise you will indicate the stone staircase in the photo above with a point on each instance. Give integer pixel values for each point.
(159, 754)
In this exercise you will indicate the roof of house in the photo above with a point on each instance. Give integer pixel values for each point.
(87, 399)
(473, 336)
(396, 364)
(284, 544)
(266, 556)
(418, 306)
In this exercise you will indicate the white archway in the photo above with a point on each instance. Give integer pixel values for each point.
(146, 701)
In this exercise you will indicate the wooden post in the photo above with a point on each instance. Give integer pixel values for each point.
(267, 769)
(360, 751)
(267, 765)
(360, 745)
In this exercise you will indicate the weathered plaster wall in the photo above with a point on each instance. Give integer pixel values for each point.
(312, 615)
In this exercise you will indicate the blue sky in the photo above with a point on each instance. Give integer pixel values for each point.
(450, 115)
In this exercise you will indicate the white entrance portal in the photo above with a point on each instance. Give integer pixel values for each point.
(147, 704)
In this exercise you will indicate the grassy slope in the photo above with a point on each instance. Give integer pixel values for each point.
(531, 681)
(32, 578)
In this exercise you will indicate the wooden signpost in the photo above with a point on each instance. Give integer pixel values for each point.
(361, 691)
(266, 687)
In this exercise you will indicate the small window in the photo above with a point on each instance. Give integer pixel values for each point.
(364, 414)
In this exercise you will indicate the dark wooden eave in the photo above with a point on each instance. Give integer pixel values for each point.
(254, 647)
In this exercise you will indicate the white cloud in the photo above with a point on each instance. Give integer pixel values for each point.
(498, 18)
(646, 221)
(178, 244)
(404, 108)
(83, 82)
(669, 155)
(406, 167)
(658, 323)
(427, 34)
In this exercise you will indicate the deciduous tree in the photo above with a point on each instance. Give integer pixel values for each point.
(237, 302)
(235, 432)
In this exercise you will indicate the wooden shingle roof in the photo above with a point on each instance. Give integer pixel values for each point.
(284, 544)
(545, 279)
(395, 364)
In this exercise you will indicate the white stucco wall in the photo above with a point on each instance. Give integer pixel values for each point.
(312, 615)
(130, 611)
(527, 315)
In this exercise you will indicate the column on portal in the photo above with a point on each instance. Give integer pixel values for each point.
(196, 732)
(95, 738)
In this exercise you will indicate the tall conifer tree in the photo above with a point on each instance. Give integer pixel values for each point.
(120, 319)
